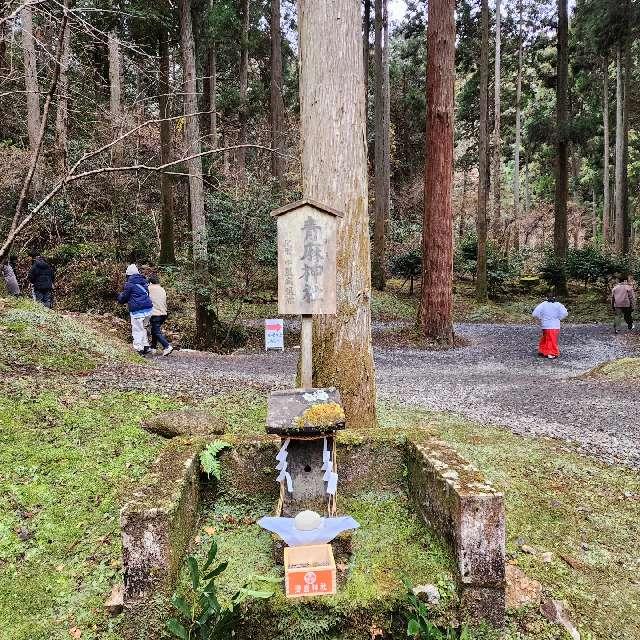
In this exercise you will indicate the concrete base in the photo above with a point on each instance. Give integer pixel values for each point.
(454, 498)
(158, 520)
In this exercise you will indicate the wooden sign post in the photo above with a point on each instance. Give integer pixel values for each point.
(306, 269)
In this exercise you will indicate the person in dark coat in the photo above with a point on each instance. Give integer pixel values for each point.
(136, 295)
(42, 278)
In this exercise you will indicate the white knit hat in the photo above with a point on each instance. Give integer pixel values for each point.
(132, 269)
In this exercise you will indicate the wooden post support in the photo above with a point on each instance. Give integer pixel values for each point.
(306, 352)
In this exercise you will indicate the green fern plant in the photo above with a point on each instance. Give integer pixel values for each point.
(209, 458)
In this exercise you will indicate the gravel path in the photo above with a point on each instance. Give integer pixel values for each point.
(496, 379)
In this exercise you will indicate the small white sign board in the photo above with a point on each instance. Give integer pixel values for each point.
(274, 334)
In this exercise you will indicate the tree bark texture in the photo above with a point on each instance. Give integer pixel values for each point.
(204, 318)
(382, 160)
(213, 93)
(462, 223)
(436, 304)
(516, 149)
(483, 164)
(243, 113)
(625, 148)
(62, 112)
(334, 170)
(606, 179)
(560, 238)
(115, 92)
(366, 31)
(622, 226)
(167, 241)
(496, 219)
(277, 101)
(30, 77)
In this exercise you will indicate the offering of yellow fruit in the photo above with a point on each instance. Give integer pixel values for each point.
(320, 415)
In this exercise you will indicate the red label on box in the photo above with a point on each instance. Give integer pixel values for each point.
(309, 583)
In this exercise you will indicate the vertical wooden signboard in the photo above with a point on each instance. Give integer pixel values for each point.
(306, 267)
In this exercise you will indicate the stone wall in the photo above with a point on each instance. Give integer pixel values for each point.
(454, 498)
(158, 519)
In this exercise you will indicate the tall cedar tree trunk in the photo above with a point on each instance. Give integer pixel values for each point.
(167, 241)
(244, 106)
(625, 149)
(435, 317)
(527, 187)
(213, 91)
(497, 201)
(606, 180)
(366, 31)
(334, 170)
(30, 77)
(621, 243)
(463, 206)
(594, 213)
(560, 239)
(382, 166)
(205, 319)
(483, 164)
(117, 151)
(277, 102)
(516, 149)
(62, 112)
(115, 92)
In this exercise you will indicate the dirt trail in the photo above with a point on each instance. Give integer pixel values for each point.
(496, 379)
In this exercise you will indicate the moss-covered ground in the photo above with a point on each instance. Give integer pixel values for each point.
(66, 462)
(623, 369)
(67, 459)
(585, 513)
(69, 456)
(392, 543)
(36, 340)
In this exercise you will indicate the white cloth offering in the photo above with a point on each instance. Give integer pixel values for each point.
(327, 474)
(329, 528)
(332, 484)
(283, 453)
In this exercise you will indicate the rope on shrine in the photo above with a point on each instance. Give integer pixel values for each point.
(332, 504)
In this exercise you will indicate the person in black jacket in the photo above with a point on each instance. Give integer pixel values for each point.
(42, 277)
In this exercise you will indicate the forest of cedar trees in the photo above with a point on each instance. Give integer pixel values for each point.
(501, 149)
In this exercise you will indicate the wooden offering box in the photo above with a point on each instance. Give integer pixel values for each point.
(309, 571)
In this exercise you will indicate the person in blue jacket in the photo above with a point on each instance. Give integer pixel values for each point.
(136, 295)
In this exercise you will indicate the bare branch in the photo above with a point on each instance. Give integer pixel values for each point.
(15, 12)
(71, 177)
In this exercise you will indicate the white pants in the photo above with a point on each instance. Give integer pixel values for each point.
(139, 332)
